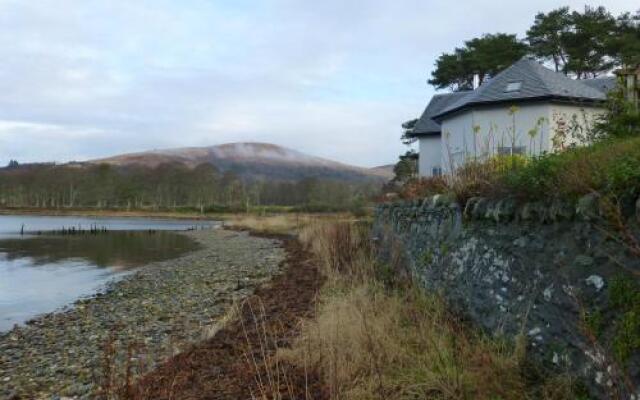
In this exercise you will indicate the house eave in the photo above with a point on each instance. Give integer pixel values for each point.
(550, 99)
(424, 134)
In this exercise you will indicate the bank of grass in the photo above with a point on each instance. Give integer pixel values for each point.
(609, 167)
(211, 213)
(282, 223)
(377, 336)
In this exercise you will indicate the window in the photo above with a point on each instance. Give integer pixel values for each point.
(509, 151)
(436, 171)
(513, 87)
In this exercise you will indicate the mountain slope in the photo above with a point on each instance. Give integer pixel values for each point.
(252, 161)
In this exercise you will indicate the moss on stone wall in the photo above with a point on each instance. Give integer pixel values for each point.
(624, 295)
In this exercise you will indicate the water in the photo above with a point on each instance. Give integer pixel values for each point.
(41, 272)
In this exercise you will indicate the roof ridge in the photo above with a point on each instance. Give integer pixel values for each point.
(452, 93)
(559, 75)
(538, 70)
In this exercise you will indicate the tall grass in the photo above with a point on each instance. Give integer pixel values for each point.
(279, 223)
(271, 379)
(373, 340)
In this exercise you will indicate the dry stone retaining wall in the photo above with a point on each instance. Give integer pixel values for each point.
(544, 271)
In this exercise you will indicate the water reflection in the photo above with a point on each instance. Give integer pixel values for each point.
(111, 249)
(41, 273)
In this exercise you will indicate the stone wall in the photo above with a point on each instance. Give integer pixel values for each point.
(548, 272)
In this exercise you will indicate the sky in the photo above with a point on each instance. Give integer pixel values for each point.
(86, 79)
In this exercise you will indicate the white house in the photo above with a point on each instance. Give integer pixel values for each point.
(525, 109)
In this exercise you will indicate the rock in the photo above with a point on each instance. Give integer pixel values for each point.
(588, 207)
(468, 208)
(504, 210)
(12, 395)
(479, 209)
(443, 200)
(427, 203)
(532, 212)
(560, 210)
(583, 260)
(547, 293)
(521, 242)
(596, 281)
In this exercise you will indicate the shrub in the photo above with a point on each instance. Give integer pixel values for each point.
(611, 167)
(423, 187)
(622, 118)
(476, 178)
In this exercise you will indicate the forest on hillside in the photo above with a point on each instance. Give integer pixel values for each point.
(168, 186)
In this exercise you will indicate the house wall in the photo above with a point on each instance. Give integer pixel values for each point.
(539, 128)
(430, 155)
(455, 131)
(570, 123)
(481, 132)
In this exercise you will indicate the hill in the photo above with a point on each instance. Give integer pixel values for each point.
(252, 161)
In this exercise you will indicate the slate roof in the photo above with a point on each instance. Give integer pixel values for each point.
(426, 125)
(605, 84)
(537, 83)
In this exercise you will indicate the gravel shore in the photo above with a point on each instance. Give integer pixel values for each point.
(145, 318)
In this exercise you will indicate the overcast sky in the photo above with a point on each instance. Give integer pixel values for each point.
(334, 78)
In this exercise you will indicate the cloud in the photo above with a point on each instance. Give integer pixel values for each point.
(334, 78)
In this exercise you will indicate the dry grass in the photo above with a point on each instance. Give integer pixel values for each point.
(373, 341)
(341, 248)
(423, 187)
(285, 223)
(372, 344)
(474, 178)
(279, 223)
(229, 316)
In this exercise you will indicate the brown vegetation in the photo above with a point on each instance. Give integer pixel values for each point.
(376, 336)
(366, 333)
(238, 361)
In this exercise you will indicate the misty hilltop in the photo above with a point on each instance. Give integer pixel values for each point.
(253, 161)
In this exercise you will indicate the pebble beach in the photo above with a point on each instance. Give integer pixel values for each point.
(135, 322)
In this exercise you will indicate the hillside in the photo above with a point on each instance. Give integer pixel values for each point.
(384, 170)
(252, 161)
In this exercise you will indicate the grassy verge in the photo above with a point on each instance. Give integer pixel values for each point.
(376, 336)
(281, 223)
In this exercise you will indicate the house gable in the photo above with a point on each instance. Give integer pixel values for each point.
(426, 125)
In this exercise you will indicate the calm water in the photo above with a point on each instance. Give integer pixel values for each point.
(41, 272)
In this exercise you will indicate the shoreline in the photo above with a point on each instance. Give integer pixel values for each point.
(239, 360)
(53, 212)
(145, 317)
